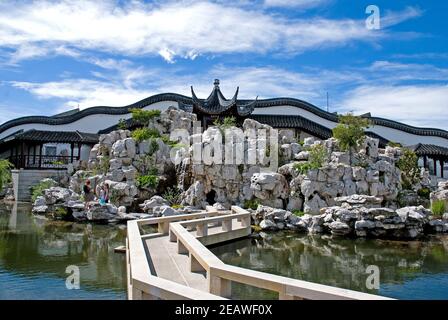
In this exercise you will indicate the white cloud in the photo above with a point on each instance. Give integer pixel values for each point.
(390, 18)
(176, 29)
(84, 93)
(295, 3)
(424, 105)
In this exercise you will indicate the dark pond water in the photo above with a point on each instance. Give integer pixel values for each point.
(34, 255)
(408, 270)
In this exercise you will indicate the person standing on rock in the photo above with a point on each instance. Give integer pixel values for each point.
(88, 194)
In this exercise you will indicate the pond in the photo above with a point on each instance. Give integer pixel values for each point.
(35, 252)
(408, 269)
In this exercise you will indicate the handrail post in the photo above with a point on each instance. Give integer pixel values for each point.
(173, 237)
(219, 286)
(163, 227)
(202, 229)
(245, 222)
(227, 225)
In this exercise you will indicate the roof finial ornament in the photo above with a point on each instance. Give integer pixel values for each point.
(216, 82)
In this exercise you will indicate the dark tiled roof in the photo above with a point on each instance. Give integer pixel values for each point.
(181, 99)
(54, 136)
(217, 104)
(429, 150)
(281, 121)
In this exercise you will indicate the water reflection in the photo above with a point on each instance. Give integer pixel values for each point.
(409, 270)
(35, 252)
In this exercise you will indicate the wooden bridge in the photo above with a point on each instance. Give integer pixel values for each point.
(174, 263)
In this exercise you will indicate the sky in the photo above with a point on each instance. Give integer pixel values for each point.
(60, 55)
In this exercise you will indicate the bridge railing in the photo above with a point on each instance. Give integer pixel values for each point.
(220, 275)
(142, 284)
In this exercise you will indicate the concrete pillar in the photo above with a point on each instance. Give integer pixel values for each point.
(195, 266)
(227, 225)
(163, 227)
(246, 221)
(181, 249)
(220, 287)
(173, 237)
(202, 230)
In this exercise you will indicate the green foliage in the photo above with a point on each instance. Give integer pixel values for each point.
(148, 181)
(303, 167)
(173, 196)
(424, 193)
(122, 124)
(438, 208)
(171, 143)
(38, 189)
(225, 123)
(143, 134)
(5, 173)
(408, 165)
(102, 167)
(298, 213)
(251, 204)
(60, 212)
(394, 144)
(142, 117)
(318, 156)
(350, 131)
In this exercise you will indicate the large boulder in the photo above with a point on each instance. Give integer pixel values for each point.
(153, 204)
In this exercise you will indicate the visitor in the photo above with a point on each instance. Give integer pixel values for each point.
(88, 195)
(106, 193)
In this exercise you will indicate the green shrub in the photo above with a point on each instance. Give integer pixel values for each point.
(173, 196)
(303, 167)
(60, 212)
(318, 156)
(438, 208)
(394, 144)
(38, 189)
(298, 213)
(5, 173)
(251, 204)
(350, 132)
(172, 143)
(101, 167)
(148, 181)
(153, 146)
(408, 165)
(142, 117)
(424, 192)
(122, 124)
(225, 123)
(143, 134)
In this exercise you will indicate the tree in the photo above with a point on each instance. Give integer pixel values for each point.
(5, 173)
(141, 117)
(350, 132)
(408, 165)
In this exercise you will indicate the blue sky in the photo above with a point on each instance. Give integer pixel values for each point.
(57, 55)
